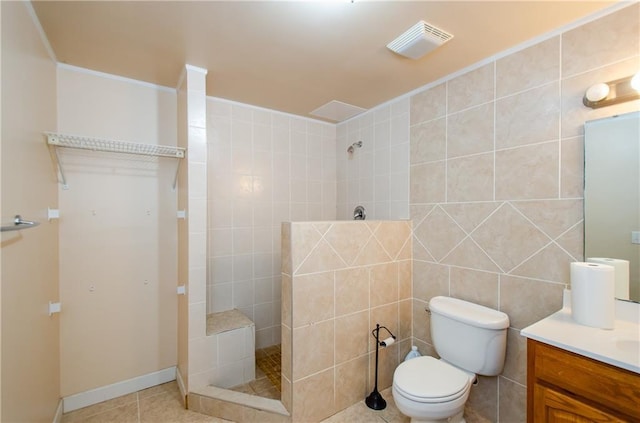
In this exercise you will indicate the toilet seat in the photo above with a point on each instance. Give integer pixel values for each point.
(429, 380)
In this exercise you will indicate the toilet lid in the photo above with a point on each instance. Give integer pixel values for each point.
(428, 379)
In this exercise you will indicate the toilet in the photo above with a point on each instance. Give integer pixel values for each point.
(471, 340)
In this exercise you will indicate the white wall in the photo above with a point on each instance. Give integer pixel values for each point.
(30, 343)
(118, 242)
(265, 167)
(376, 175)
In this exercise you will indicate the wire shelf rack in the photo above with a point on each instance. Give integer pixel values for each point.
(57, 140)
(113, 146)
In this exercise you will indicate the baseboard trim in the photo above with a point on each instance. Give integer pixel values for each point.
(104, 393)
(57, 418)
(181, 387)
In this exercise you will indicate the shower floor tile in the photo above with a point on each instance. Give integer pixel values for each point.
(268, 370)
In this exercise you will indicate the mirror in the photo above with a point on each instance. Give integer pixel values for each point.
(612, 194)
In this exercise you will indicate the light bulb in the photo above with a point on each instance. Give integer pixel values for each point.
(635, 81)
(597, 92)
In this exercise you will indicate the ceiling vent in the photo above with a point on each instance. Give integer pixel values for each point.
(419, 40)
(337, 111)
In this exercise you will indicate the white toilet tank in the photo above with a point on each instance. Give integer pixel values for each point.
(469, 336)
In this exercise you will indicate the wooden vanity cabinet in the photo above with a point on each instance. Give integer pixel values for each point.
(563, 387)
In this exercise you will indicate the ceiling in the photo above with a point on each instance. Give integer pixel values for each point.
(292, 56)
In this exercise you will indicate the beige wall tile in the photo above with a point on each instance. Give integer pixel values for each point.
(474, 286)
(483, 399)
(470, 131)
(428, 141)
(550, 264)
(554, 217)
(313, 348)
(427, 183)
(428, 105)
(603, 41)
(470, 178)
(372, 253)
(322, 258)
(287, 299)
(286, 352)
(439, 233)
(469, 254)
(470, 215)
(529, 172)
(351, 382)
(471, 89)
(319, 288)
(572, 167)
(352, 290)
(512, 401)
(383, 287)
(529, 117)
(573, 241)
(405, 279)
(528, 68)
(352, 336)
(515, 365)
(429, 280)
(314, 398)
(348, 238)
(393, 235)
(405, 308)
(527, 300)
(421, 321)
(420, 252)
(286, 395)
(508, 238)
(304, 239)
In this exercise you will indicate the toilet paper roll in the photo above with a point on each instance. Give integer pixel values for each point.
(387, 342)
(592, 294)
(621, 268)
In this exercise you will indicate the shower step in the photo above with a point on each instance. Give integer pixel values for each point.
(237, 406)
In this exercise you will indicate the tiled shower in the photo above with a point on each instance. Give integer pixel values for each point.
(264, 168)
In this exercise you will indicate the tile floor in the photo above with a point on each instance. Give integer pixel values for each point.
(268, 369)
(161, 404)
(158, 404)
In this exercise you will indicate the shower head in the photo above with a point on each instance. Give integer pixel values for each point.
(353, 146)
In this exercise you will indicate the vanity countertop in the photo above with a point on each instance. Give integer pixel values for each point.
(619, 347)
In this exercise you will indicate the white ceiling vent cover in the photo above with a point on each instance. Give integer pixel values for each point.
(419, 40)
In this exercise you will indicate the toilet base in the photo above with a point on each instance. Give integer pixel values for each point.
(458, 418)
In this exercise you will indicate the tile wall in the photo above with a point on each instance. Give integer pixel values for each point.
(339, 280)
(192, 231)
(376, 174)
(496, 170)
(264, 168)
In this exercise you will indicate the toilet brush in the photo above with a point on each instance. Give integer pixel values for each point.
(375, 400)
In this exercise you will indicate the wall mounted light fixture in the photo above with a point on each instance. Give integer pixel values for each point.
(613, 92)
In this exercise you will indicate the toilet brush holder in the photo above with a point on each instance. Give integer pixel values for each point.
(375, 400)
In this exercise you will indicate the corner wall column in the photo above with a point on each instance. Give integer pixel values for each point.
(192, 231)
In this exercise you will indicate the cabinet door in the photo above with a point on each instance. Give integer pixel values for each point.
(554, 407)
